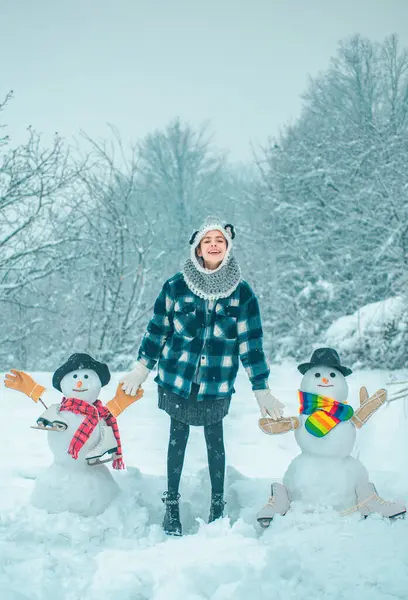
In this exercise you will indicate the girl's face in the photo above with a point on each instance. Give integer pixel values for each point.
(212, 249)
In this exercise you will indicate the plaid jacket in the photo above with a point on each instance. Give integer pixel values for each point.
(177, 338)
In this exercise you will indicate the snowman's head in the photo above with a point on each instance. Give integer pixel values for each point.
(83, 384)
(339, 442)
(325, 381)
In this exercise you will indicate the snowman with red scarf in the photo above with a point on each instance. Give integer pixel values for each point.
(325, 473)
(82, 433)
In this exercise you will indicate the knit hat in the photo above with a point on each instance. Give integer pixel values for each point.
(211, 223)
(212, 284)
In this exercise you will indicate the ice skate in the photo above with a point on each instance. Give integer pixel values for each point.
(369, 502)
(368, 406)
(278, 504)
(51, 420)
(105, 450)
(275, 427)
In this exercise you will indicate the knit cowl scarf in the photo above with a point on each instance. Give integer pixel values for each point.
(325, 413)
(212, 285)
(93, 413)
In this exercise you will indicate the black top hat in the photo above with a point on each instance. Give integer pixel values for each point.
(81, 361)
(325, 357)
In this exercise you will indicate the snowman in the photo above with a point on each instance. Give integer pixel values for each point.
(82, 433)
(325, 473)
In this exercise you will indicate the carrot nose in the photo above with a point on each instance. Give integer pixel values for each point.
(325, 380)
(79, 384)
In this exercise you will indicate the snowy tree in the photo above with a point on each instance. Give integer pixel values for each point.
(124, 257)
(336, 178)
(183, 174)
(34, 181)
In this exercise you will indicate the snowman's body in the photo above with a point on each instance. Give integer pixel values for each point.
(324, 481)
(59, 441)
(325, 473)
(71, 484)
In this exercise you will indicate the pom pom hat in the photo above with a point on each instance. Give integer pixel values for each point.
(211, 224)
(212, 284)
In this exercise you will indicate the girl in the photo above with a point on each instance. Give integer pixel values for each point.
(205, 319)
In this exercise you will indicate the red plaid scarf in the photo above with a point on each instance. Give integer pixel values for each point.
(93, 413)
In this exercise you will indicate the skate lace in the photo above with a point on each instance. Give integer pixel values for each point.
(271, 501)
(382, 501)
(374, 496)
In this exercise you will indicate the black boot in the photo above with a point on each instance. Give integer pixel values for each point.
(217, 507)
(171, 521)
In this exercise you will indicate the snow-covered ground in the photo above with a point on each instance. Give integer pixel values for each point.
(123, 553)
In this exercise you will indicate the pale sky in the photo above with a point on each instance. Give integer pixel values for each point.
(241, 64)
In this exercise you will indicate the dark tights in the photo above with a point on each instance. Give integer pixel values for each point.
(214, 437)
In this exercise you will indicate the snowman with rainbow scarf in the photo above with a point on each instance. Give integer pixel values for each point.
(325, 473)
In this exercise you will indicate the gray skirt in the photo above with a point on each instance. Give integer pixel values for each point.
(191, 411)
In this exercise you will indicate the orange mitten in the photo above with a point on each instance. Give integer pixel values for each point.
(122, 400)
(22, 382)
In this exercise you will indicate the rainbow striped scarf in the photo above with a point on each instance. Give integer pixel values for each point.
(325, 413)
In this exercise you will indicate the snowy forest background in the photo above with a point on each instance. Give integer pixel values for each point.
(88, 236)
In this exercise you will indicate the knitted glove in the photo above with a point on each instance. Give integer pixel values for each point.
(133, 380)
(122, 400)
(268, 404)
(22, 382)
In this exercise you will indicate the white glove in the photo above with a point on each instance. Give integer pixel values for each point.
(133, 380)
(268, 404)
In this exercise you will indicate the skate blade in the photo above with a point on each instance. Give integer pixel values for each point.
(400, 515)
(60, 427)
(264, 523)
(100, 460)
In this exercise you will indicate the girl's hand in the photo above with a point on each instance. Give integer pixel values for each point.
(133, 380)
(268, 404)
(121, 400)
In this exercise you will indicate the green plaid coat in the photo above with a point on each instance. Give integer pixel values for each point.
(183, 339)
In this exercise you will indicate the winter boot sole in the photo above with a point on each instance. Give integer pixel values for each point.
(173, 533)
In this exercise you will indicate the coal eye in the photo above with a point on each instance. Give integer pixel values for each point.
(75, 376)
(317, 374)
(85, 376)
(333, 375)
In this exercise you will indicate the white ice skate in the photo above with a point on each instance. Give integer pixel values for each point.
(278, 504)
(105, 449)
(369, 502)
(50, 420)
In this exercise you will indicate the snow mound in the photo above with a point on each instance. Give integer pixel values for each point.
(122, 553)
(376, 334)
